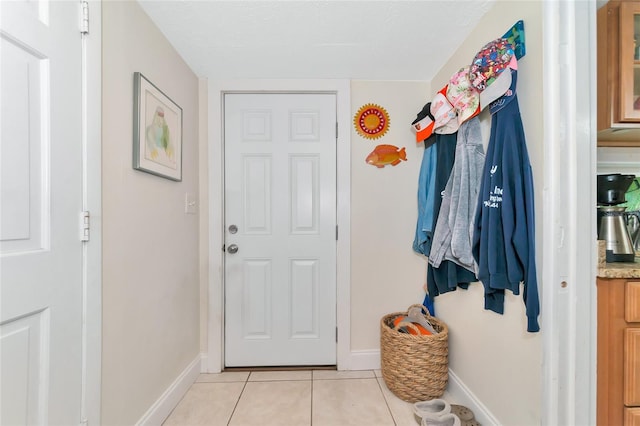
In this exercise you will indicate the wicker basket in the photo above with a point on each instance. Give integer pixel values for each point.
(414, 367)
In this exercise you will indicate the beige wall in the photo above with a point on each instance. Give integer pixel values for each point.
(493, 354)
(150, 246)
(386, 275)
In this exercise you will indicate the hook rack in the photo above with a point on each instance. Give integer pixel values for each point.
(515, 35)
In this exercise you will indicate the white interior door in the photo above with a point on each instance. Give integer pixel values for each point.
(40, 202)
(280, 195)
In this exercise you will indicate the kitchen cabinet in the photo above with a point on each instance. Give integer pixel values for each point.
(618, 393)
(632, 417)
(619, 73)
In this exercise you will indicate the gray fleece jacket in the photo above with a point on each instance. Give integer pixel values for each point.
(453, 233)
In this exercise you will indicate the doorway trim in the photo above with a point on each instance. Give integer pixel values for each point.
(568, 311)
(92, 201)
(214, 359)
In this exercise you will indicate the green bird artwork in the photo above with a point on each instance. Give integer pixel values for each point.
(158, 137)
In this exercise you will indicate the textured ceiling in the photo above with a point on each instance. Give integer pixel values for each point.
(368, 40)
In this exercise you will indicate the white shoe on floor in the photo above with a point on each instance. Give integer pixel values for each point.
(432, 408)
(443, 420)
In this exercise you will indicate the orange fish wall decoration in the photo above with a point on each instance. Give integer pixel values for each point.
(386, 154)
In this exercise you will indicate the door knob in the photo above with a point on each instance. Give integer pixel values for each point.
(233, 248)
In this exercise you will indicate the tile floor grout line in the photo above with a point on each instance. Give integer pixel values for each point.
(386, 401)
(347, 378)
(311, 405)
(181, 399)
(238, 400)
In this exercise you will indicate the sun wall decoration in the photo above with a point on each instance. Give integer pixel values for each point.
(371, 121)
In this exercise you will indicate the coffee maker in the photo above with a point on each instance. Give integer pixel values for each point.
(612, 227)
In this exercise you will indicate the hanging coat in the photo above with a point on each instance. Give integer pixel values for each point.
(426, 188)
(453, 233)
(504, 236)
(448, 275)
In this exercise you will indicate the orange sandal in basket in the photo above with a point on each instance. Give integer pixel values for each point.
(405, 325)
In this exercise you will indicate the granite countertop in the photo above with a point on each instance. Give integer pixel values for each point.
(619, 270)
(616, 269)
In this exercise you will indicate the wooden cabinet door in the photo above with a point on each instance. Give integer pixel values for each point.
(632, 367)
(629, 106)
(632, 416)
(632, 302)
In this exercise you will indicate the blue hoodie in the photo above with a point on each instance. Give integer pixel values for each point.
(504, 237)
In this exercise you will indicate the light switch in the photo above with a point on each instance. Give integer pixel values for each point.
(190, 203)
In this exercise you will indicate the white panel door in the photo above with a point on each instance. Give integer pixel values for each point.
(280, 195)
(40, 202)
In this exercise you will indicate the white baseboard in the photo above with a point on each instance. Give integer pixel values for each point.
(204, 362)
(161, 409)
(364, 360)
(461, 394)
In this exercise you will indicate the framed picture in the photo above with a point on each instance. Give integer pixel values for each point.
(157, 131)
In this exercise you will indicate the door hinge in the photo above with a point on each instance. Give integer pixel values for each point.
(336, 334)
(84, 18)
(85, 226)
(336, 130)
(336, 232)
(224, 247)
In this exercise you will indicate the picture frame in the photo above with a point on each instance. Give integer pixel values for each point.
(157, 131)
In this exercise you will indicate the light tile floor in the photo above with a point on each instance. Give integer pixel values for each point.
(292, 398)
